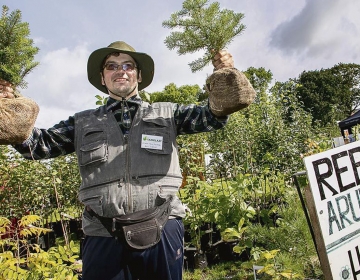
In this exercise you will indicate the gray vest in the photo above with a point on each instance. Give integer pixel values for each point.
(120, 174)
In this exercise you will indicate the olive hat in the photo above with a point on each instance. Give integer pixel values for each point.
(144, 63)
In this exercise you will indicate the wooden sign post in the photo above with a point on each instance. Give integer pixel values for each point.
(333, 201)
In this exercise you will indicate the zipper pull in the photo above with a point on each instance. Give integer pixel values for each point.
(113, 227)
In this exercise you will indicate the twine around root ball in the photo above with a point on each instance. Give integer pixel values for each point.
(17, 119)
(229, 91)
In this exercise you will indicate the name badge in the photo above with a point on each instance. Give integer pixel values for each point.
(152, 142)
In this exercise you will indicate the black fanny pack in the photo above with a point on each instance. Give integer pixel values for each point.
(141, 229)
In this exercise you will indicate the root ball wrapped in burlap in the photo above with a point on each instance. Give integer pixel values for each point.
(229, 91)
(17, 119)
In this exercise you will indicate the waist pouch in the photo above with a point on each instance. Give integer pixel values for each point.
(141, 229)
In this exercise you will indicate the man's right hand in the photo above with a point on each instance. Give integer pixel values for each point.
(6, 90)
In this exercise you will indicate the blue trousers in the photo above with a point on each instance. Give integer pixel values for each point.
(107, 258)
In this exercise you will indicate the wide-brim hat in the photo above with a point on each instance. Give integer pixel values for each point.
(144, 63)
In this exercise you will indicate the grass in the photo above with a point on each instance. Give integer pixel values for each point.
(222, 271)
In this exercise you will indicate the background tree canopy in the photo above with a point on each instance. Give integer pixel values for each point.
(187, 94)
(330, 95)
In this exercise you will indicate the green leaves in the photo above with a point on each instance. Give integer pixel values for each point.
(27, 226)
(101, 100)
(209, 29)
(21, 179)
(60, 262)
(330, 94)
(33, 263)
(16, 48)
(187, 94)
(66, 253)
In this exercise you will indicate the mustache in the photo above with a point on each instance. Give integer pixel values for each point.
(119, 75)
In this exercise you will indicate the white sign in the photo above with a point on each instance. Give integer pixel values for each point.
(334, 178)
(151, 142)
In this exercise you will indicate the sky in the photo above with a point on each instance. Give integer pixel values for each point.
(286, 37)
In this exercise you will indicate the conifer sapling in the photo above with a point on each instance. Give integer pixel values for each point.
(16, 48)
(203, 28)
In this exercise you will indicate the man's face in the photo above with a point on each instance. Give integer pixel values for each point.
(119, 82)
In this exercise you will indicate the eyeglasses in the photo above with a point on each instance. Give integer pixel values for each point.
(127, 67)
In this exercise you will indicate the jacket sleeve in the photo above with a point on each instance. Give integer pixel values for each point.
(49, 143)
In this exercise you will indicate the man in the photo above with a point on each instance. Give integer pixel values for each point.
(128, 162)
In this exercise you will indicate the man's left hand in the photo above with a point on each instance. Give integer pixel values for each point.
(223, 59)
(6, 90)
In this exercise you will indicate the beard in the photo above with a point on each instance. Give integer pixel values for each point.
(123, 92)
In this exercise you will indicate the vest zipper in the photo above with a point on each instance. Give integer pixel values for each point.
(138, 115)
(127, 174)
(127, 163)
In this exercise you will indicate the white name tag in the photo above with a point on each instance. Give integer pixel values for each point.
(151, 142)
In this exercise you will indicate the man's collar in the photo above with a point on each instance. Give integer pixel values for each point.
(111, 103)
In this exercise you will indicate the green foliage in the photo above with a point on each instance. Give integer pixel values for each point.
(16, 48)
(101, 100)
(16, 249)
(269, 245)
(271, 268)
(22, 259)
(55, 183)
(330, 94)
(234, 204)
(350, 86)
(259, 138)
(222, 271)
(296, 254)
(187, 94)
(145, 96)
(260, 78)
(209, 29)
(247, 183)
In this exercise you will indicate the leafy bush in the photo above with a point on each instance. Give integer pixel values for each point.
(296, 254)
(55, 183)
(22, 258)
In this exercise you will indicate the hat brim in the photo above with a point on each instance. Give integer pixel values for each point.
(144, 62)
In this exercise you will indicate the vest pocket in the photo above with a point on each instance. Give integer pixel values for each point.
(94, 146)
(93, 152)
(95, 203)
(106, 200)
(166, 144)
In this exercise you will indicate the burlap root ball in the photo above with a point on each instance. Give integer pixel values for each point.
(17, 119)
(229, 91)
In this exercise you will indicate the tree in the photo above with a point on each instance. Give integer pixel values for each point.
(330, 94)
(209, 29)
(187, 94)
(55, 183)
(16, 48)
(260, 79)
(350, 86)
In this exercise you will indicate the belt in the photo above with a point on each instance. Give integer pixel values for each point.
(111, 224)
(114, 225)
